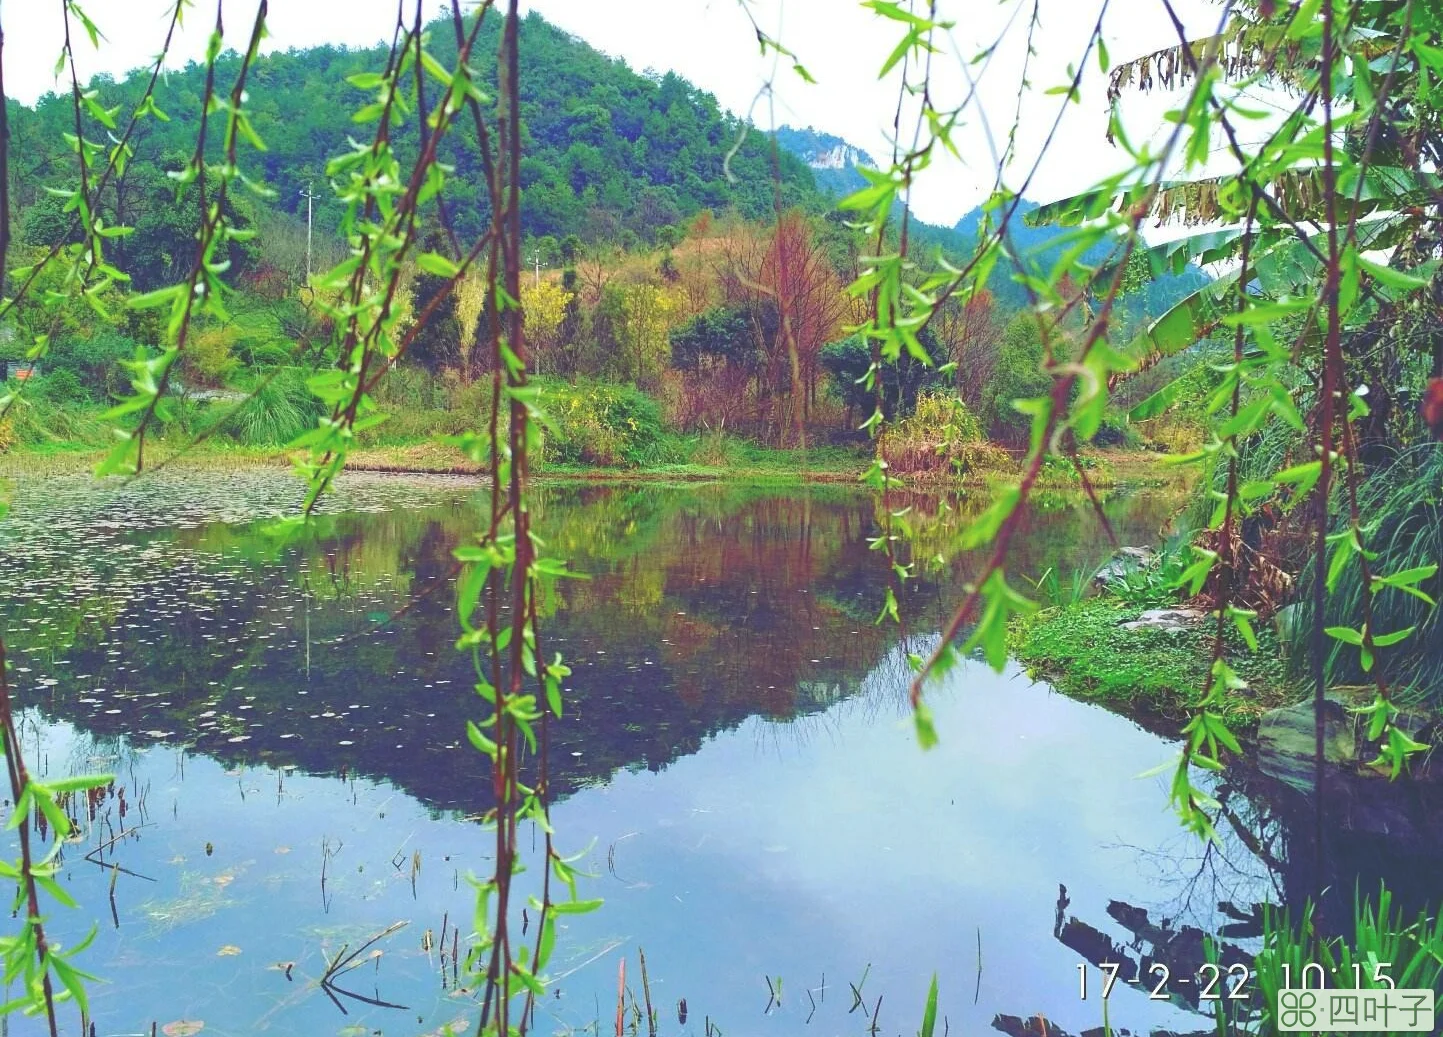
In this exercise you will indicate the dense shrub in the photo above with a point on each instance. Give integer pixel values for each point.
(942, 437)
(60, 387)
(721, 335)
(280, 408)
(1117, 433)
(1018, 375)
(1402, 504)
(93, 359)
(847, 362)
(603, 424)
(1174, 433)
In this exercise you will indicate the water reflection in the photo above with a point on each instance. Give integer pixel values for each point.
(287, 726)
(703, 607)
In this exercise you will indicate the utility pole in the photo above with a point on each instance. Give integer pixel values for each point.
(537, 257)
(307, 195)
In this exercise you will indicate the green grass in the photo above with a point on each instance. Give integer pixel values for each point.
(1411, 945)
(602, 430)
(1083, 651)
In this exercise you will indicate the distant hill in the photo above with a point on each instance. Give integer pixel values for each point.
(833, 162)
(609, 152)
(831, 159)
(608, 149)
(1037, 246)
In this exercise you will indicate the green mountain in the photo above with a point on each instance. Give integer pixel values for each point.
(608, 149)
(609, 152)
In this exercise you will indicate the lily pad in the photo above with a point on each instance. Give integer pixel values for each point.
(182, 1028)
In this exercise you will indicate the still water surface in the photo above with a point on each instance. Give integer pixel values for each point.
(286, 727)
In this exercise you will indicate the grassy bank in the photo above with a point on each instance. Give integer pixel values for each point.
(740, 461)
(748, 462)
(1083, 651)
(70, 439)
(592, 430)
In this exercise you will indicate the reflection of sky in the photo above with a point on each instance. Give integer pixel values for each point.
(779, 849)
(853, 846)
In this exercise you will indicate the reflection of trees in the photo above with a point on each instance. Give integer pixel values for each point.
(698, 614)
(1208, 882)
(1058, 532)
(703, 607)
(1244, 865)
(1264, 856)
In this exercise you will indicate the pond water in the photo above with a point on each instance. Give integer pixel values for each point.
(737, 767)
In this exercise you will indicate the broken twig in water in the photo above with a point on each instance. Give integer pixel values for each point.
(343, 963)
(646, 991)
(620, 994)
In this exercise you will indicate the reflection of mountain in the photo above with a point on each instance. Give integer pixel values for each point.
(703, 607)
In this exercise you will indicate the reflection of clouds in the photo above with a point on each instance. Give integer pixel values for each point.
(819, 843)
(841, 821)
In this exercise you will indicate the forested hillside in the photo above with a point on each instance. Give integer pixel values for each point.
(659, 263)
(609, 150)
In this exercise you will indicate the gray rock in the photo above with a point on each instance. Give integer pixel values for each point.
(1287, 738)
(1286, 621)
(1126, 560)
(1170, 621)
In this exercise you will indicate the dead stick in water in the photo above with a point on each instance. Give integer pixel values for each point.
(646, 991)
(620, 993)
(977, 993)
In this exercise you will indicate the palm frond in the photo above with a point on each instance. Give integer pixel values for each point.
(1244, 48)
(1299, 193)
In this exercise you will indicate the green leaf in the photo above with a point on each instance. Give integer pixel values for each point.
(926, 730)
(437, 264)
(366, 80)
(83, 781)
(1390, 277)
(71, 978)
(468, 591)
(1242, 620)
(1387, 640)
(159, 297)
(576, 907)
(54, 888)
(479, 740)
(1345, 634)
(986, 525)
(929, 1014)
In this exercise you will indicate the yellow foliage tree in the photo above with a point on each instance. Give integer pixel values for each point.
(544, 306)
(470, 300)
(649, 311)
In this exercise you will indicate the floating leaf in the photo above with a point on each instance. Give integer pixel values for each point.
(182, 1028)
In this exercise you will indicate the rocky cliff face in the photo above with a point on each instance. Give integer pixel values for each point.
(833, 161)
(839, 156)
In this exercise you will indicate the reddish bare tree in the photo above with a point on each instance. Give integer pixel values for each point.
(972, 334)
(798, 276)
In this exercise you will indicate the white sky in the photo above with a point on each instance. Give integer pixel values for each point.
(710, 43)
